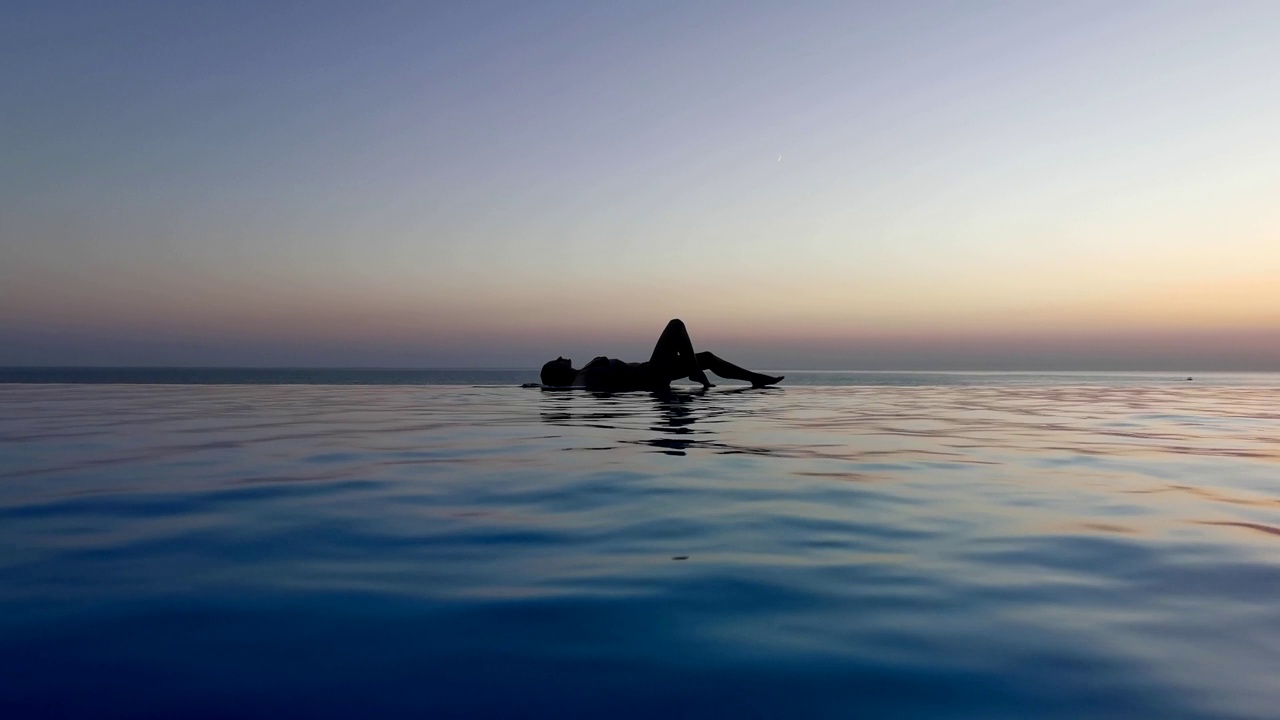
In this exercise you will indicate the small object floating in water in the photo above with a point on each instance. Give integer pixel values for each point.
(1188, 378)
(679, 557)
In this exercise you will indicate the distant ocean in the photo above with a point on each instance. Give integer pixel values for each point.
(518, 376)
(213, 543)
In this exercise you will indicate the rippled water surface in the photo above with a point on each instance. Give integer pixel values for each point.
(1047, 550)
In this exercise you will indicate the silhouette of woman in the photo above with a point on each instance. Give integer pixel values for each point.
(673, 358)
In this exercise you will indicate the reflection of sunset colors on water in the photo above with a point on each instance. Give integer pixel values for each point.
(979, 550)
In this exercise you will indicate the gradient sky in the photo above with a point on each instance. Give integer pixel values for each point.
(1023, 185)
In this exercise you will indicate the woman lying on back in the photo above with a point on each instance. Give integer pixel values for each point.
(673, 358)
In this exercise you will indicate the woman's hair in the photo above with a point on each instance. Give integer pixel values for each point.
(558, 372)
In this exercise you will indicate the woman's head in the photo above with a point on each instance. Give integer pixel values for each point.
(559, 372)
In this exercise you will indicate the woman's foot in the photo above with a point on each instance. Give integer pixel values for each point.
(701, 377)
(766, 380)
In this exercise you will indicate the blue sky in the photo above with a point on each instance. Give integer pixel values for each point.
(843, 185)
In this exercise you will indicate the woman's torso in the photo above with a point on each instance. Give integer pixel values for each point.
(614, 375)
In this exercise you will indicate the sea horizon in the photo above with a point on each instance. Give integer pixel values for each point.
(500, 376)
(280, 280)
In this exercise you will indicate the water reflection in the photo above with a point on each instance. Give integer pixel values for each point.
(980, 551)
(672, 422)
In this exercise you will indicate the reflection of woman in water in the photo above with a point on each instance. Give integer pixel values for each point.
(673, 358)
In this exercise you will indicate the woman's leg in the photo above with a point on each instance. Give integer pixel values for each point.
(728, 370)
(673, 358)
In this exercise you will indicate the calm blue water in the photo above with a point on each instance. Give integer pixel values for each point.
(1088, 546)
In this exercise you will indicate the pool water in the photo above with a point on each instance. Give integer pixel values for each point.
(1030, 549)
